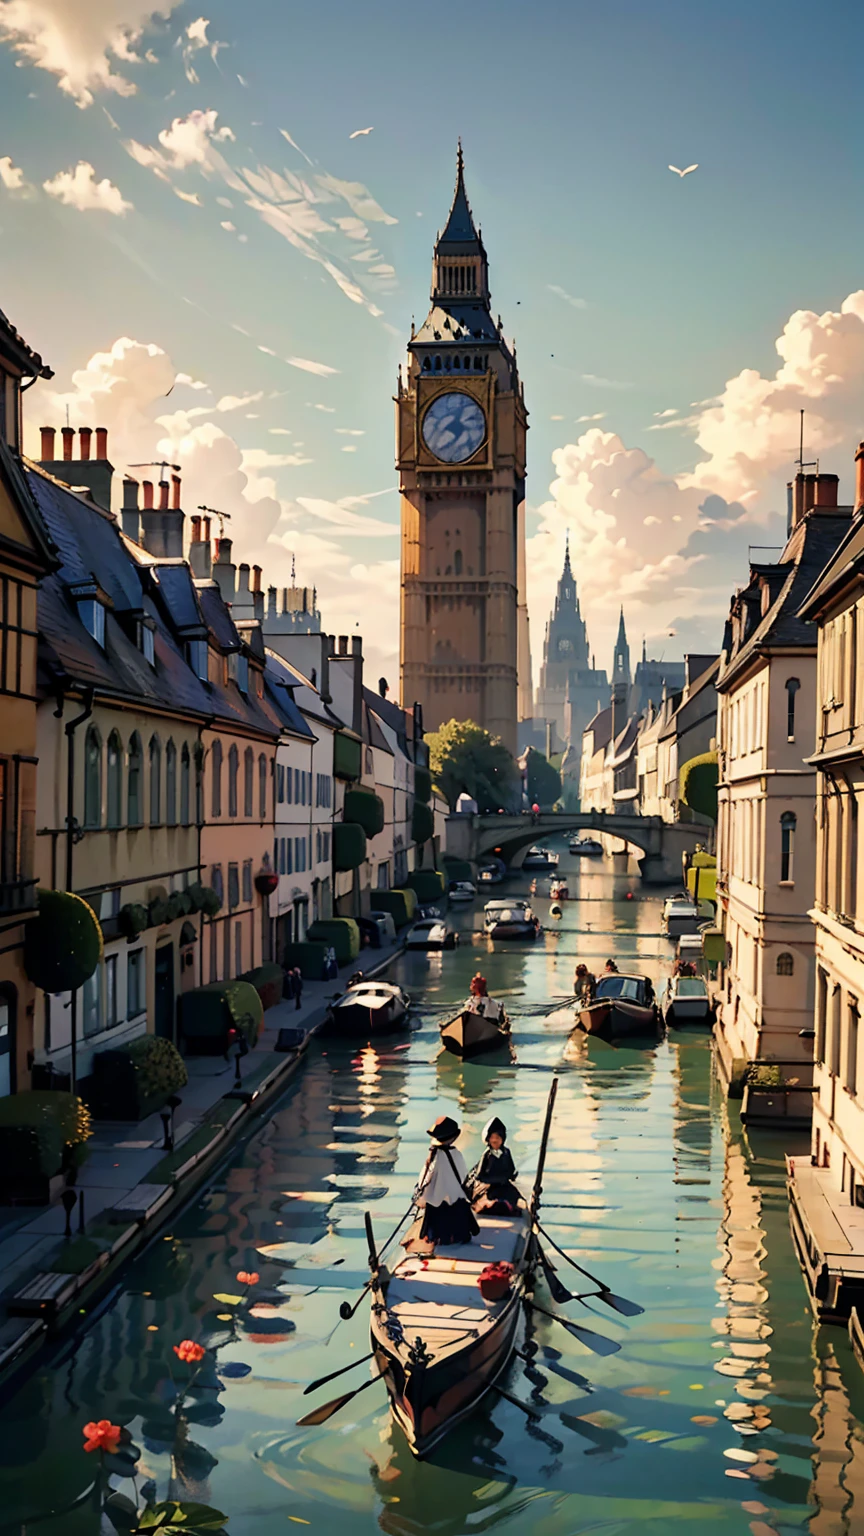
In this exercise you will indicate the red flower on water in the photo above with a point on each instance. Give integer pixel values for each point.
(102, 1436)
(189, 1351)
(247, 1277)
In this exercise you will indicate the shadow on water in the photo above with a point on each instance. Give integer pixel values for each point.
(724, 1409)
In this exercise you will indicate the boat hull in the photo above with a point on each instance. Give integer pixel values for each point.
(614, 1017)
(695, 1012)
(512, 931)
(470, 1034)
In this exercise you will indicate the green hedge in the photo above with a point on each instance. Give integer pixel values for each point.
(63, 945)
(365, 808)
(132, 919)
(457, 869)
(207, 1014)
(346, 756)
(349, 846)
(698, 784)
(41, 1132)
(428, 884)
(268, 981)
(132, 1081)
(401, 904)
(311, 957)
(341, 934)
(204, 899)
(422, 785)
(422, 823)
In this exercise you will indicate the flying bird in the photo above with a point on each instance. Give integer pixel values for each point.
(674, 168)
(359, 133)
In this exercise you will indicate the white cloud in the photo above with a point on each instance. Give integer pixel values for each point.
(568, 298)
(12, 178)
(280, 432)
(601, 383)
(189, 142)
(259, 458)
(598, 416)
(79, 189)
(195, 40)
(670, 411)
(226, 224)
(186, 378)
(350, 431)
(330, 409)
(308, 366)
(236, 402)
(187, 197)
(75, 40)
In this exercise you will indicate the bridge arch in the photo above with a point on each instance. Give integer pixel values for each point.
(662, 843)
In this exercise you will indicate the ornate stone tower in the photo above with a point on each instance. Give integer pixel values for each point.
(460, 452)
(571, 690)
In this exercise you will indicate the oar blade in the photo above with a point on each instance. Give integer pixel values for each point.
(596, 1342)
(323, 1380)
(621, 1304)
(327, 1410)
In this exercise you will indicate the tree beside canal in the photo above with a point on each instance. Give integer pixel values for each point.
(465, 759)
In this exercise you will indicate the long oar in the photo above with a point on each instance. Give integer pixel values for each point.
(558, 1290)
(327, 1410)
(347, 1308)
(593, 1341)
(544, 1142)
(517, 1402)
(551, 1359)
(619, 1303)
(323, 1380)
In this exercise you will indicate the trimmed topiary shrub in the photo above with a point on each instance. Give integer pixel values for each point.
(401, 904)
(427, 884)
(132, 1081)
(63, 945)
(208, 1014)
(422, 785)
(347, 758)
(349, 846)
(132, 919)
(310, 957)
(204, 899)
(698, 784)
(339, 933)
(268, 981)
(158, 912)
(42, 1134)
(365, 808)
(422, 823)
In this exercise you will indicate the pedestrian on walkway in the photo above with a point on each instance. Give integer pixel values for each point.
(298, 987)
(288, 986)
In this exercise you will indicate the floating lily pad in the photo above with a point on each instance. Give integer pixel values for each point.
(234, 1368)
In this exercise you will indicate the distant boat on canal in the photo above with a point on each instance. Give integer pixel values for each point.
(509, 920)
(368, 1008)
(471, 1033)
(621, 1006)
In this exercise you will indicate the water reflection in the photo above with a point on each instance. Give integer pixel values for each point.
(723, 1410)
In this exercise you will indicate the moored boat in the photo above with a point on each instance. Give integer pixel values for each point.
(431, 933)
(368, 1008)
(470, 1033)
(509, 920)
(559, 890)
(621, 1005)
(686, 998)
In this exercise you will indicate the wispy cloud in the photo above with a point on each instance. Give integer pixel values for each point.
(235, 402)
(195, 40)
(188, 197)
(308, 366)
(568, 298)
(601, 383)
(79, 189)
(78, 41)
(259, 458)
(670, 411)
(598, 416)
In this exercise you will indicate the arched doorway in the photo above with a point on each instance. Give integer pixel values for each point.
(164, 992)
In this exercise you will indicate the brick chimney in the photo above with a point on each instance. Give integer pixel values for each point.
(129, 517)
(224, 570)
(859, 479)
(147, 488)
(47, 450)
(199, 549)
(84, 437)
(162, 526)
(68, 436)
(94, 474)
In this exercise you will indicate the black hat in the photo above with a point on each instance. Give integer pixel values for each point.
(495, 1127)
(444, 1130)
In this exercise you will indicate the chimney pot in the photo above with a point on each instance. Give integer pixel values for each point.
(163, 495)
(859, 478)
(223, 551)
(47, 444)
(826, 490)
(85, 435)
(101, 442)
(205, 529)
(196, 530)
(175, 498)
(130, 494)
(356, 645)
(147, 487)
(256, 578)
(343, 645)
(68, 434)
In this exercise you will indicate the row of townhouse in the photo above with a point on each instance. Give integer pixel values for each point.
(166, 734)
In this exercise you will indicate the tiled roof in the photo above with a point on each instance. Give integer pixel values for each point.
(87, 540)
(848, 558)
(460, 322)
(177, 590)
(13, 346)
(217, 617)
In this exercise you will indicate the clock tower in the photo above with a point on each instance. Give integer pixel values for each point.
(460, 452)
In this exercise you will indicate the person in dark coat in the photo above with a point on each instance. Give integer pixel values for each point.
(494, 1189)
(298, 988)
(447, 1215)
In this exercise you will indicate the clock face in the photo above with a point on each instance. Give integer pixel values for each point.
(454, 427)
(564, 645)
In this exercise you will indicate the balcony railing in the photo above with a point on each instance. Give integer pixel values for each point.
(17, 896)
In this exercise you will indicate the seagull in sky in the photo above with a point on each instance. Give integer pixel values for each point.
(674, 168)
(359, 133)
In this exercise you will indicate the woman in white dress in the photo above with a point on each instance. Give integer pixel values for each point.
(447, 1214)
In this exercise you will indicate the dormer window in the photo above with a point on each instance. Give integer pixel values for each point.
(92, 616)
(197, 657)
(147, 640)
(238, 670)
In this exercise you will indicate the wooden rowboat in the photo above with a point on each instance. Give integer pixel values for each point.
(368, 1008)
(469, 1034)
(623, 1005)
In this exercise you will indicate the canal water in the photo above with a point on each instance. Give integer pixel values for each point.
(724, 1410)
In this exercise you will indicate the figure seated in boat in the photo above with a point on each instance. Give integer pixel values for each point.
(441, 1194)
(610, 968)
(584, 984)
(481, 1002)
(495, 1193)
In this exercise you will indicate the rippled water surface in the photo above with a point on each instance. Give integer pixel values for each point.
(724, 1410)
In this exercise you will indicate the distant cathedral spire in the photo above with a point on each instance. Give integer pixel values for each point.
(621, 659)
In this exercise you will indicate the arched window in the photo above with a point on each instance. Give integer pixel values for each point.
(457, 361)
(785, 964)
(115, 780)
(216, 779)
(93, 778)
(262, 787)
(467, 363)
(788, 822)
(233, 767)
(185, 784)
(155, 754)
(437, 364)
(457, 562)
(427, 365)
(171, 784)
(248, 782)
(478, 365)
(133, 783)
(792, 686)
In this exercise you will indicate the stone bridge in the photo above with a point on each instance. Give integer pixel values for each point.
(509, 836)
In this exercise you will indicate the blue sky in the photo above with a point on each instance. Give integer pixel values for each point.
(629, 291)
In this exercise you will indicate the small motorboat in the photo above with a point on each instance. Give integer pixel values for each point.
(681, 914)
(559, 890)
(622, 1005)
(509, 920)
(461, 891)
(490, 874)
(587, 847)
(430, 933)
(540, 858)
(368, 1008)
(470, 1033)
(685, 999)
